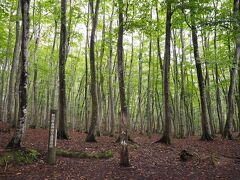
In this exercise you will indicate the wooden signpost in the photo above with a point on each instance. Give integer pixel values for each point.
(52, 140)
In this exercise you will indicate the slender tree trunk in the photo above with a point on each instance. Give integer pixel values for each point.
(111, 106)
(176, 94)
(49, 81)
(16, 95)
(14, 66)
(69, 29)
(218, 96)
(91, 134)
(140, 85)
(182, 94)
(230, 112)
(5, 67)
(159, 53)
(209, 102)
(54, 90)
(129, 82)
(205, 42)
(62, 133)
(204, 111)
(86, 73)
(166, 138)
(101, 95)
(35, 74)
(192, 117)
(15, 142)
(124, 158)
(148, 108)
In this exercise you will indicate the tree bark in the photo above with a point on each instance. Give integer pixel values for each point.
(35, 74)
(62, 133)
(176, 94)
(231, 91)
(204, 117)
(182, 94)
(110, 68)
(5, 67)
(124, 159)
(15, 142)
(91, 134)
(14, 66)
(49, 81)
(86, 74)
(217, 93)
(166, 138)
(148, 108)
(140, 85)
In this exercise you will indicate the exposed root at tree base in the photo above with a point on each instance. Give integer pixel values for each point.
(228, 135)
(91, 138)
(164, 140)
(206, 137)
(14, 144)
(62, 135)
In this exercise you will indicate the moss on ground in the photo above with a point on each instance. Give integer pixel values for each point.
(96, 155)
(19, 157)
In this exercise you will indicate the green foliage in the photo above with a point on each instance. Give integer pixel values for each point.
(19, 157)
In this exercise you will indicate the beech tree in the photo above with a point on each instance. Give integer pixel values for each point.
(166, 138)
(62, 133)
(124, 159)
(15, 142)
(233, 73)
(94, 117)
(14, 66)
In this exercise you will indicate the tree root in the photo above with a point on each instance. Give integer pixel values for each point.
(206, 137)
(62, 135)
(164, 140)
(91, 138)
(227, 135)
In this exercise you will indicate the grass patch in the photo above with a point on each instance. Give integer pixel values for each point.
(19, 157)
(96, 155)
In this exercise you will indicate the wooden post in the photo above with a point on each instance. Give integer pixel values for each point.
(52, 139)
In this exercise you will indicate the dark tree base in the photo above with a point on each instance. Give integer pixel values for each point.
(62, 135)
(98, 134)
(227, 135)
(14, 144)
(111, 135)
(91, 138)
(206, 137)
(180, 137)
(164, 140)
(124, 158)
(33, 126)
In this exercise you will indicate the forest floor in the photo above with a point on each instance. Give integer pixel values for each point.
(219, 159)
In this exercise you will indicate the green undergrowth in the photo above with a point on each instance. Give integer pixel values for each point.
(19, 157)
(94, 155)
